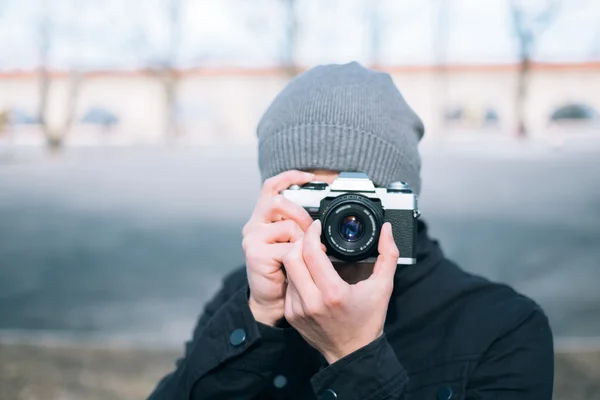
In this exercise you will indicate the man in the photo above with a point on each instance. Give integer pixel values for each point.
(293, 326)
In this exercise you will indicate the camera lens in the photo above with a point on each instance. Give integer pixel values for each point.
(351, 228)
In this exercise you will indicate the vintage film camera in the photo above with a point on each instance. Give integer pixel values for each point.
(352, 211)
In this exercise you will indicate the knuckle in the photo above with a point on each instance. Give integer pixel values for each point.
(278, 200)
(298, 233)
(292, 233)
(289, 174)
(246, 244)
(250, 227)
(277, 203)
(270, 183)
(313, 309)
(252, 254)
(393, 251)
(293, 229)
(334, 297)
(246, 229)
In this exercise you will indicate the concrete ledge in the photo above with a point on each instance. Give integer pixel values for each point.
(94, 372)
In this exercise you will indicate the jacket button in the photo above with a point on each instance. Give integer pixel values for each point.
(445, 393)
(280, 381)
(237, 337)
(330, 395)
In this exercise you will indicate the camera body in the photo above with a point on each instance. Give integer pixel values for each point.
(352, 211)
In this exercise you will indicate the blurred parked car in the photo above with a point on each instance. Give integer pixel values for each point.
(573, 122)
(575, 112)
(100, 116)
(22, 117)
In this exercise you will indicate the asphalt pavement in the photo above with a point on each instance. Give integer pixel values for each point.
(127, 244)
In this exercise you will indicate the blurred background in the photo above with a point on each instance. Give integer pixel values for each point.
(128, 165)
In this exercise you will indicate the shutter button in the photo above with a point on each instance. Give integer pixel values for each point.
(330, 395)
(315, 185)
(445, 393)
(237, 337)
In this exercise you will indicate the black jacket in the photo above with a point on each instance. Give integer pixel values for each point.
(448, 335)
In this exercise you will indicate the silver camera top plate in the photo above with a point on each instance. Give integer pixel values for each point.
(352, 182)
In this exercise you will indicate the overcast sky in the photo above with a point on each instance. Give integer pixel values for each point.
(132, 33)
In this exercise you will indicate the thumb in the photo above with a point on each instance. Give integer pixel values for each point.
(385, 266)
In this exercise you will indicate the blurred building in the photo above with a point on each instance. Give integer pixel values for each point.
(224, 104)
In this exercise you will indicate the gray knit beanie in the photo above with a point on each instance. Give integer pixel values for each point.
(342, 118)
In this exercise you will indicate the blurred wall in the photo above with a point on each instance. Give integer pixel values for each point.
(226, 104)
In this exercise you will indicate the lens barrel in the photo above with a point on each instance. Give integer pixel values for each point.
(351, 226)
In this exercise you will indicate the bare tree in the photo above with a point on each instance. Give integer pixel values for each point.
(169, 74)
(373, 13)
(290, 48)
(528, 25)
(379, 21)
(287, 54)
(162, 64)
(440, 48)
(45, 29)
(55, 134)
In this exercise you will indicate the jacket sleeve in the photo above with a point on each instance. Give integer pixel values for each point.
(370, 373)
(520, 365)
(229, 356)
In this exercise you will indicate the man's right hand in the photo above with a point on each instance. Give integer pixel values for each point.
(275, 224)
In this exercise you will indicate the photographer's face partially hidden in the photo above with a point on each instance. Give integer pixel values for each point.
(350, 272)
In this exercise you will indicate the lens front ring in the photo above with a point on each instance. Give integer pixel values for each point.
(363, 237)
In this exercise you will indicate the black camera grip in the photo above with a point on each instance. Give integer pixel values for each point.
(404, 229)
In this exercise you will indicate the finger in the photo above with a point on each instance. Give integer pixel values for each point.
(279, 208)
(318, 264)
(288, 310)
(279, 232)
(262, 254)
(278, 251)
(385, 266)
(294, 297)
(276, 184)
(297, 273)
(293, 304)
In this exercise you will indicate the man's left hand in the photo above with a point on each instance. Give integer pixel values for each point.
(334, 317)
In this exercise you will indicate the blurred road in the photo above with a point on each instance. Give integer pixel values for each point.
(127, 244)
